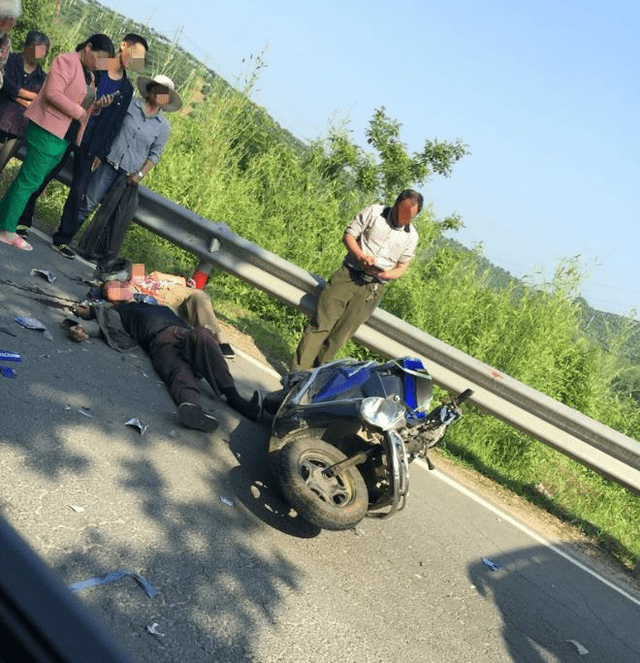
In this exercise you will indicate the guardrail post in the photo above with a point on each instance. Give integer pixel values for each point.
(203, 270)
(201, 274)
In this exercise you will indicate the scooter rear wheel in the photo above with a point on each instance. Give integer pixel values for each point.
(335, 502)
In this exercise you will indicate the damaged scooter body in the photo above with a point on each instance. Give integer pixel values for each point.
(345, 433)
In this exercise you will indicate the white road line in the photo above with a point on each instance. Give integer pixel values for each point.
(257, 363)
(522, 527)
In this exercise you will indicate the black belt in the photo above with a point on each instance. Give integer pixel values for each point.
(361, 275)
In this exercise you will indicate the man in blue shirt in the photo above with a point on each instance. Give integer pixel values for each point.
(134, 152)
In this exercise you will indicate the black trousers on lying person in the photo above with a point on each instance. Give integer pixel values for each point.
(181, 356)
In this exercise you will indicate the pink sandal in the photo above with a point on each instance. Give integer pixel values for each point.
(18, 243)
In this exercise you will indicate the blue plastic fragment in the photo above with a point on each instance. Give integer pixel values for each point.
(7, 355)
(112, 577)
(492, 565)
(7, 372)
(31, 323)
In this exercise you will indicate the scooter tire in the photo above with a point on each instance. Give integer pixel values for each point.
(335, 503)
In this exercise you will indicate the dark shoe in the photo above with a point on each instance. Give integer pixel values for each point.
(64, 250)
(227, 351)
(23, 231)
(272, 401)
(253, 408)
(193, 416)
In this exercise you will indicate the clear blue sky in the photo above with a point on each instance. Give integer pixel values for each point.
(544, 92)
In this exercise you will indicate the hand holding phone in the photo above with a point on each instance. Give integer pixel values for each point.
(107, 99)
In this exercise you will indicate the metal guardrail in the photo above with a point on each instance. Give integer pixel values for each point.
(608, 452)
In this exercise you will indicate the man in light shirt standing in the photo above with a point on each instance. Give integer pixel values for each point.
(381, 241)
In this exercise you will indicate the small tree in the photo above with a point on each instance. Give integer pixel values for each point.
(393, 168)
(36, 15)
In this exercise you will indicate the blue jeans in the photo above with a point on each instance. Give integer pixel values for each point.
(99, 185)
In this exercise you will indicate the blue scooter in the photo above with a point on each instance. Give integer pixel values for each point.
(344, 433)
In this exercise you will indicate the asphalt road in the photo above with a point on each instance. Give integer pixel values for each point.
(239, 576)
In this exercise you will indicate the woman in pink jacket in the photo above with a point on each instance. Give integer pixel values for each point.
(58, 116)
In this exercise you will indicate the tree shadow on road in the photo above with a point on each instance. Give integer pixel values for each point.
(551, 608)
(147, 502)
(254, 483)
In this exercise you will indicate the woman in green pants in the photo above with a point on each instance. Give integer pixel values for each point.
(58, 116)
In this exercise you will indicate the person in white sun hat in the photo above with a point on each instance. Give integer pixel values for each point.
(139, 143)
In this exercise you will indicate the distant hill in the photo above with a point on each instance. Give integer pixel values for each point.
(599, 326)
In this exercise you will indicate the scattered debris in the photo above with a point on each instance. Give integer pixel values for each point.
(153, 629)
(112, 577)
(44, 274)
(582, 650)
(136, 423)
(31, 323)
(5, 355)
(226, 500)
(492, 565)
(36, 325)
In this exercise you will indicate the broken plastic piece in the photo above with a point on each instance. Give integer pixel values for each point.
(153, 629)
(86, 414)
(44, 274)
(7, 372)
(136, 423)
(31, 323)
(492, 565)
(112, 577)
(582, 650)
(5, 355)
(226, 500)
(77, 509)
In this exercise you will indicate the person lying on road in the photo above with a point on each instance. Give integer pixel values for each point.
(182, 297)
(181, 354)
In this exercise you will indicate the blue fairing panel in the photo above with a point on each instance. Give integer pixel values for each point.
(344, 379)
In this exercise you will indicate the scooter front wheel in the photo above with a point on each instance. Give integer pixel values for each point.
(335, 502)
